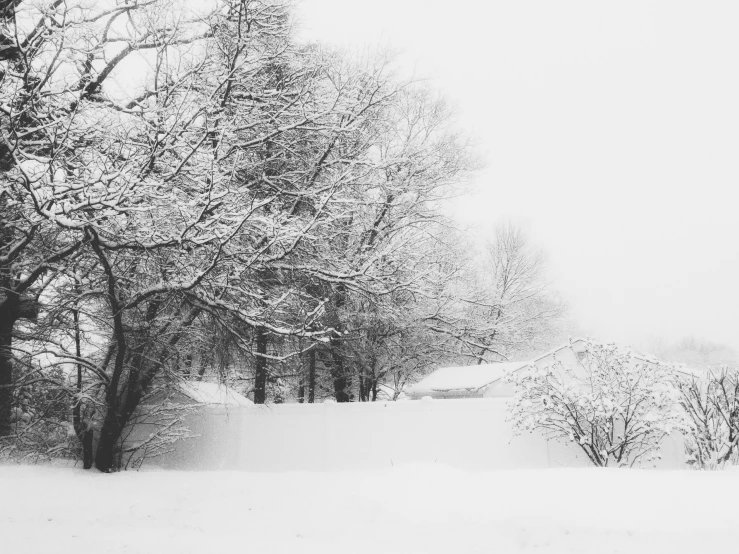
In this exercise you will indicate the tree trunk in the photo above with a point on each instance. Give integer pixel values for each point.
(260, 370)
(312, 376)
(122, 401)
(105, 457)
(6, 368)
(118, 414)
(81, 428)
(188, 365)
(205, 361)
(88, 454)
(12, 308)
(342, 381)
(7, 319)
(362, 386)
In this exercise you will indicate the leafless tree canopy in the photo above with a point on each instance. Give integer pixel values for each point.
(188, 192)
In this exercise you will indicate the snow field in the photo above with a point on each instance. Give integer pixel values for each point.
(409, 509)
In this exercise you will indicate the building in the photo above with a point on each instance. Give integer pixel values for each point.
(489, 380)
(474, 381)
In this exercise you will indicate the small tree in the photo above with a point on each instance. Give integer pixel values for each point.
(711, 406)
(615, 407)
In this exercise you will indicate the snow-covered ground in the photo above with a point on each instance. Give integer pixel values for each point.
(424, 509)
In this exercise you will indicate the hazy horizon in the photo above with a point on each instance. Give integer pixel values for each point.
(609, 134)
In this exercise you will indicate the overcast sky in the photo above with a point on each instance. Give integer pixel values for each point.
(611, 133)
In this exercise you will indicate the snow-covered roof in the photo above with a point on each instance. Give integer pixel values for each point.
(561, 347)
(647, 358)
(213, 393)
(464, 378)
(637, 355)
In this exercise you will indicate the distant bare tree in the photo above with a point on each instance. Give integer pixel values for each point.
(500, 303)
(524, 311)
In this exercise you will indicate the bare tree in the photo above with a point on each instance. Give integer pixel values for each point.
(615, 408)
(498, 305)
(711, 405)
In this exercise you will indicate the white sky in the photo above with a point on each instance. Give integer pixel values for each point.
(611, 133)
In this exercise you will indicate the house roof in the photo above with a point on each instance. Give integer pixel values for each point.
(560, 347)
(464, 378)
(212, 393)
(475, 377)
(637, 355)
(647, 358)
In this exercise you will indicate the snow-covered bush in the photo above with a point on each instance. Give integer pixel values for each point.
(39, 426)
(711, 406)
(613, 406)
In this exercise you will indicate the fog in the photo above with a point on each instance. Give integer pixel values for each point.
(608, 132)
